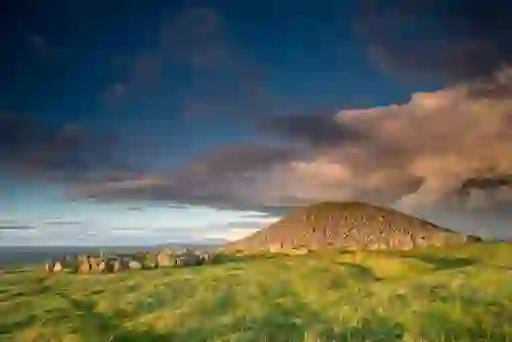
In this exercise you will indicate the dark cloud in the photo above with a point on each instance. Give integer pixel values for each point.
(487, 183)
(239, 159)
(215, 179)
(315, 130)
(453, 40)
(13, 227)
(32, 148)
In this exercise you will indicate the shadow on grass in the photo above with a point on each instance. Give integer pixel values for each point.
(442, 263)
(17, 270)
(376, 329)
(8, 328)
(37, 287)
(360, 271)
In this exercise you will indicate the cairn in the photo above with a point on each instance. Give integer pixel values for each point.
(87, 264)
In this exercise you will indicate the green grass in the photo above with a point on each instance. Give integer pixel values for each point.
(462, 294)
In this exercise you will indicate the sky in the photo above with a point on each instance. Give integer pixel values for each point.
(147, 122)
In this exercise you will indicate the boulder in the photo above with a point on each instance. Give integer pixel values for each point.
(163, 259)
(96, 263)
(188, 259)
(124, 262)
(134, 265)
(57, 266)
(53, 266)
(113, 265)
(206, 258)
(84, 267)
(68, 262)
(473, 238)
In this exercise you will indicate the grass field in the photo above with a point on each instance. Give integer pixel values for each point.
(462, 294)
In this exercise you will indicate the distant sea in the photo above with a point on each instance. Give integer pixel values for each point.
(27, 255)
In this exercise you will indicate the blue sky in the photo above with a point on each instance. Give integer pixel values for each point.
(111, 113)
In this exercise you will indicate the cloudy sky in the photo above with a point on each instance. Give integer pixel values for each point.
(143, 122)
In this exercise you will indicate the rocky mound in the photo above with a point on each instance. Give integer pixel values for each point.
(347, 225)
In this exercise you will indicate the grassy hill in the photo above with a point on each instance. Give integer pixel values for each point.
(347, 225)
(435, 294)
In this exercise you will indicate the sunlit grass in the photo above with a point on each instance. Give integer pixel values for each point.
(462, 294)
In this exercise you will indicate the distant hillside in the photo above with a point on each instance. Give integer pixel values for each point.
(347, 225)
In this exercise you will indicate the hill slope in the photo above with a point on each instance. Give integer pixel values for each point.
(434, 294)
(347, 225)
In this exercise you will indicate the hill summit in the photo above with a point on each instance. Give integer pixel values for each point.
(347, 225)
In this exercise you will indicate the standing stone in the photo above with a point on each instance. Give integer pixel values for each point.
(163, 259)
(57, 266)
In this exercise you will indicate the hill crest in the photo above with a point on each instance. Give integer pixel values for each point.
(347, 225)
